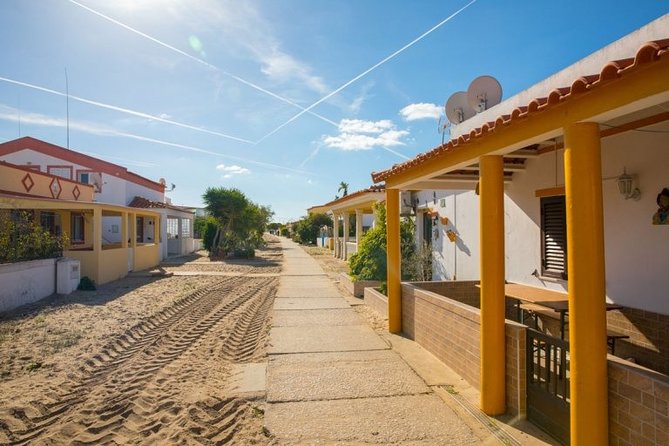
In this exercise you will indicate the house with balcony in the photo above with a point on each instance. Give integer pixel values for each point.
(64, 206)
(113, 185)
(545, 216)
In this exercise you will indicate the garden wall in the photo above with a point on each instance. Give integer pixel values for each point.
(450, 330)
(26, 282)
(376, 301)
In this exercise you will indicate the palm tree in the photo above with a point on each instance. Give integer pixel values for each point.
(343, 187)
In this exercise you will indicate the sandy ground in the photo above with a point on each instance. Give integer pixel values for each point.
(142, 360)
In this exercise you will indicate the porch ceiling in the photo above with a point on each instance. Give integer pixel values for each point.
(623, 92)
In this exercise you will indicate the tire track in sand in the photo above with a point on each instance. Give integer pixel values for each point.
(126, 393)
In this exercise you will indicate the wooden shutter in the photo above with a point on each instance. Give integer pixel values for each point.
(553, 237)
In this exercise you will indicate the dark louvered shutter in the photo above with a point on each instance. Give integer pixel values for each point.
(553, 237)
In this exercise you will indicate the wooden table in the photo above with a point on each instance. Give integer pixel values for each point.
(555, 300)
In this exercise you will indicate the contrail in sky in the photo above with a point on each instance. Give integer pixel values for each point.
(203, 62)
(44, 120)
(124, 110)
(367, 71)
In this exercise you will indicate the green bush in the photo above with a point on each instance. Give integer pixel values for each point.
(370, 262)
(86, 284)
(308, 229)
(23, 238)
(208, 233)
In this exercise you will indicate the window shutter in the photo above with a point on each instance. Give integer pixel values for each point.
(554, 237)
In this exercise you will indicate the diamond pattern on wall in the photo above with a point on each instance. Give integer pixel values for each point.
(55, 187)
(27, 182)
(76, 192)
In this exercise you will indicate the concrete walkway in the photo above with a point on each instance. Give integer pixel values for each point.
(332, 380)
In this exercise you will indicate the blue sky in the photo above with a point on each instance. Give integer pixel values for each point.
(208, 92)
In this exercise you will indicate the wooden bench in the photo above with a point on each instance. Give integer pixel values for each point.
(536, 310)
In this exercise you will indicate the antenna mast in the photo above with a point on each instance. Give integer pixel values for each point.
(67, 107)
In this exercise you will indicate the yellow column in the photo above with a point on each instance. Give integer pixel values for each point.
(347, 228)
(97, 242)
(124, 229)
(491, 227)
(335, 234)
(585, 267)
(393, 260)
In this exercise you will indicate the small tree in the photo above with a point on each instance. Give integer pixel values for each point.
(308, 228)
(240, 223)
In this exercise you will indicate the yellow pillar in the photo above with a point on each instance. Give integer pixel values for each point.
(393, 260)
(491, 227)
(585, 268)
(97, 242)
(124, 229)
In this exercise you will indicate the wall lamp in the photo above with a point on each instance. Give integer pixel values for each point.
(626, 186)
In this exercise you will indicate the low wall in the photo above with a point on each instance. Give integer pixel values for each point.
(638, 404)
(464, 291)
(450, 330)
(376, 301)
(25, 282)
(113, 265)
(146, 256)
(648, 342)
(357, 287)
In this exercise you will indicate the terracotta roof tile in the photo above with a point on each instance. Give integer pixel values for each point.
(648, 53)
(144, 203)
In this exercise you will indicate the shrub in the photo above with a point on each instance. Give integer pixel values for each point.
(308, 229)
(370, 262)
(23, 238)
(86, 284)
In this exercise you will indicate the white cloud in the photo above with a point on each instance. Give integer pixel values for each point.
(414, 112)
(283, 67)
(355, 134)
(230, 171)
(360, 126)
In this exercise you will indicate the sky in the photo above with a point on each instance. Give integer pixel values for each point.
(282, 99)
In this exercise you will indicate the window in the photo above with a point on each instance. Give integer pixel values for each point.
(172, 227)
(92, 178)
(48, 222)
(553, 237)
(60, 171)
(77, 230)
(140, 229)
(185, 227)
(427, 228)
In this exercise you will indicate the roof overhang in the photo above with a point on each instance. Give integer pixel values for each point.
(622, 89)
(17, 202)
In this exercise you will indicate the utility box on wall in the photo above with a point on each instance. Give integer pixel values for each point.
(68, 272)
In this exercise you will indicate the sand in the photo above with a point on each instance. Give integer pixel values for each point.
(142, 360)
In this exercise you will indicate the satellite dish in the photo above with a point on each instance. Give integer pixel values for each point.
(457, 108)
(484, 92)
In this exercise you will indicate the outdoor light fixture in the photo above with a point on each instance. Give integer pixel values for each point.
(626, 186)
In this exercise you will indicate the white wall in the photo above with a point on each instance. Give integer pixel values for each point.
(25, 282)
(132, 190)
(453, 260)
(637, 252)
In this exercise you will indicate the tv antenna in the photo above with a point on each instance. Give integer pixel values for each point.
(484, 92)
(457, 108)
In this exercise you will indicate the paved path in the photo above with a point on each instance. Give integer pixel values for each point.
(332, 380)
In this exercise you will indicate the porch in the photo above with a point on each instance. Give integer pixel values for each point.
(554, 192)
